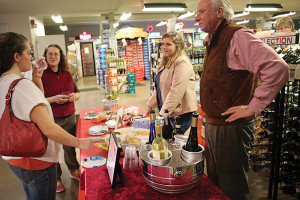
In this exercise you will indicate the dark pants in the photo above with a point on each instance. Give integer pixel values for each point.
(227, 154)
(68, 124)
(37, 184)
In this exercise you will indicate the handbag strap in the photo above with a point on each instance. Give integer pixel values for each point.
(10, 91)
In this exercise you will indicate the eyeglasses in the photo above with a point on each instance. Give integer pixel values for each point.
(53, 54)
(200, 12)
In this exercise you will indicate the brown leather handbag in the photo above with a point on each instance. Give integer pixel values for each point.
(19, 138)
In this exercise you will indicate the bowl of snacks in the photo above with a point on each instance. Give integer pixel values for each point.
(131, 141)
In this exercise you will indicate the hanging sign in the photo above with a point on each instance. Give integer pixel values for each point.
(291, 39)
(85, 36)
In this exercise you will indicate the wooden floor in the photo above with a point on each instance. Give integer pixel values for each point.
(91, 96)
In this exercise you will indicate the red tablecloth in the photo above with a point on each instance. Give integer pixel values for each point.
(98, 187)
(95, 183)
(82, 132)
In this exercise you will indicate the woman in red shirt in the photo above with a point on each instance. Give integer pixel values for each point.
(61, 92)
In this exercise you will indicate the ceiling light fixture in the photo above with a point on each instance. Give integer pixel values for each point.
(161, 23)
(57, 19)
(185, 15)
(262, 7)
(239, 14)
(63, 28)
(125, 16)
(243, 22)
(283, 14)
(169, 7)
(116, 25)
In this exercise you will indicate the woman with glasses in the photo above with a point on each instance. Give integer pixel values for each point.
(61, 92)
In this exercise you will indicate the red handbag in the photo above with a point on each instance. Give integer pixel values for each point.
(19, 138)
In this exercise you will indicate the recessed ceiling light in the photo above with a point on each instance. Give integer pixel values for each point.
(239, 14)
(262, 7)
(125, 16)
(243, 22)
(185, 15)
(283, 14)
(164, 7)
(161, 23)
(63, 28)
(57, 19)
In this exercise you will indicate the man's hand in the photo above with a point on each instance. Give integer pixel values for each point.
(237, 112)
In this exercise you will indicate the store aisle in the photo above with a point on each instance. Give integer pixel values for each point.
(91, 97)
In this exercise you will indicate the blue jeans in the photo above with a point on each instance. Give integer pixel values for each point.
(37, 184)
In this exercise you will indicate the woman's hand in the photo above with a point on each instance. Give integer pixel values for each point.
(148, 110)
(36, 74)
(86, 144)
(73, 97)
(61, 98)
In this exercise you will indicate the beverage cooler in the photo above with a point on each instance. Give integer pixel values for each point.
(86, 54)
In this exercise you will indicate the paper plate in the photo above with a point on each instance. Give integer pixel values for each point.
(91, 113)
(93, 161)
(111, 123)
(98, 130)
(90, 116)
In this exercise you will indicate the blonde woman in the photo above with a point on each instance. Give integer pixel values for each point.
(174, 82)
(285, 25)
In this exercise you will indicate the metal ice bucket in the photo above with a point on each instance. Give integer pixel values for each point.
(176, 176)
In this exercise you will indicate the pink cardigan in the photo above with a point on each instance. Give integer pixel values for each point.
(177, 85)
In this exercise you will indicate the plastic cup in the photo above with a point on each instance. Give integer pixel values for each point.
(40, 64)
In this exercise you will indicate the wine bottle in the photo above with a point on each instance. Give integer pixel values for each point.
(192, 142)
(177, 130)
(268, 124)
(159, 144)
(292, 135)
(265, 134)
(267, 114)
(259, 167)
(290, 179)
(294, 112)
(289, 189)
(196, 60)
(167, 129)
(290, 146)
(152, 126)
(287, 167)
(294, 124)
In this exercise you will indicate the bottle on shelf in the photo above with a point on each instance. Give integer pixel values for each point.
(167, 129)
(265, 134)
(192, 142)
(289, 189)
(288, 167)
(177, 130)
(267, 124)
(261, 166)
(159, 144)
(294, 112)
(292, 135)
(152, 126)
(267, 113)
(196, 57)
(294, 124)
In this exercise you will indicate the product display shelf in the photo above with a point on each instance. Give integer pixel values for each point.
(275, 149)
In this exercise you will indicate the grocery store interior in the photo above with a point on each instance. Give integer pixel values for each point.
(104, 48)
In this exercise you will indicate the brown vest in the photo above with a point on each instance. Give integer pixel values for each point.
(222, 87)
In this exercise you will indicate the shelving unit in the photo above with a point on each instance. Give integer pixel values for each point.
(276, 144)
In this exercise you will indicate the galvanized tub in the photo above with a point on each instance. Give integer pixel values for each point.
(176, 176)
